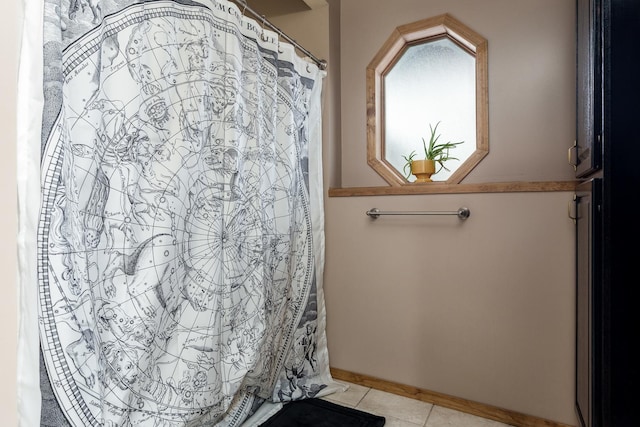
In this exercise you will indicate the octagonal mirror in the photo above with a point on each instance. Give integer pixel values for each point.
(430, 75)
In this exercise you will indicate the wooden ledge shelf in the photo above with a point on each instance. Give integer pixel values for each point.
(443, 188)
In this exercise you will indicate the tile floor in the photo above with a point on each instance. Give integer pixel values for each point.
(401, 411)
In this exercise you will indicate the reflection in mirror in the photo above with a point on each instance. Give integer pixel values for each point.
(428, 72)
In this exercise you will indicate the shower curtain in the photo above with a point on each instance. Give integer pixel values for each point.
(178, 239)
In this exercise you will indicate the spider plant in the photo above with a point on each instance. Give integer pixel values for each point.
(433, 150)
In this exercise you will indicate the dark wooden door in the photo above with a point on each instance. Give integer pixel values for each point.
(608, 111)
(588, 87)
(589, 326)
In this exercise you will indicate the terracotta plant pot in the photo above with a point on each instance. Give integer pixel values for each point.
(423, 169)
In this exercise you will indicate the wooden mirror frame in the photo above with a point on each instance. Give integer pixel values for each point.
(403, 37)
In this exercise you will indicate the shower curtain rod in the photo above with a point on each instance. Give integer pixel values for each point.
(322, 64)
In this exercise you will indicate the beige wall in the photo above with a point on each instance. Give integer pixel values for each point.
(8, 209)
(480, 309)
(492, 320)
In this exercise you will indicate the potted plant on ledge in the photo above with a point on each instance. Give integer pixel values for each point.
(434, 153)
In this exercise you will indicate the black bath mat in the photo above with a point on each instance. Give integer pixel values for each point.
(320, 413)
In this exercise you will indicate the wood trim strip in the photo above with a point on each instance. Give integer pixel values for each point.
(470, 407)
(443, 188)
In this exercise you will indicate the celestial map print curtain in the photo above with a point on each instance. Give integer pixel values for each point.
(179, 237)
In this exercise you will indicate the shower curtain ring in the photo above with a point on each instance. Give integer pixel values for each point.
(263, 36)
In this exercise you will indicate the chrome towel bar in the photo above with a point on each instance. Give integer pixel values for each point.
(462, 213)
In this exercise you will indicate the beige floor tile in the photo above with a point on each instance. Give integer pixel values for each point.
(350, 397)
(395, 422)
(445, 417)
(401, 411)
(400, 407)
